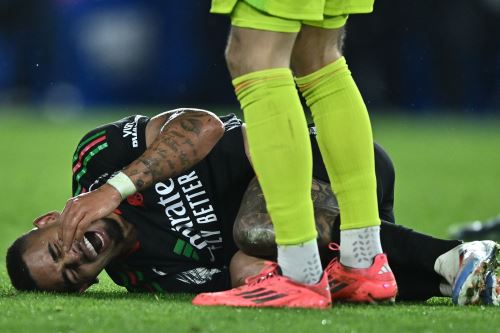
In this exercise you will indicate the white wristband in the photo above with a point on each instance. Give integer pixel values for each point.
(122, 183)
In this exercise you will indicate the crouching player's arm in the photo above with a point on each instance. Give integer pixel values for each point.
(175, 141)
(254, 234)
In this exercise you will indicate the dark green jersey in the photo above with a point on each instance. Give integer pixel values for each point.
(185, 223)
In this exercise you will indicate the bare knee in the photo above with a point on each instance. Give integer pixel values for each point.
(255, 237)
(315, 48)
(243, 266)
(250, 50)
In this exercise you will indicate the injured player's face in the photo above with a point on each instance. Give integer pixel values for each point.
(54, 270)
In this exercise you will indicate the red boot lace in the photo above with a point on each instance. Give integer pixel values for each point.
(336, 248)
(267, 272)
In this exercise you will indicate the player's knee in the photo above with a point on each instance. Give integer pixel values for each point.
(253, 50)
(314, 51)
(242, 266)
(308, 61)
(241, 60)
(253, 239)
(236, 63)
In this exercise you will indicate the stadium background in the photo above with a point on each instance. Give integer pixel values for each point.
(429, 72)
(419, 56)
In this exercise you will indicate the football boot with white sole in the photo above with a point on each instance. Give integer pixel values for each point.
(472, 270)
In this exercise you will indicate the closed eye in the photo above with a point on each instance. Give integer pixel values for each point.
(68, 284)
(69, 276)
(74, 274)
(53, 253)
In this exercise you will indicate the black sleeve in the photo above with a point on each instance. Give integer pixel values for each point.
(196, 280)
(107, 149)
(188, 280)
(384, 171)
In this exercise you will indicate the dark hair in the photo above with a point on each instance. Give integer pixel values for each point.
(19, 273)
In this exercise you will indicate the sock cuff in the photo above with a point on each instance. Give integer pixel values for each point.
(261, 76)
(304, 238)
(375, 228)
(309, 81)
(253, 86)
(307, 243)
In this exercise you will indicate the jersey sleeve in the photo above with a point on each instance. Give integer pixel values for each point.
(107, 149)
(158, 279)
(196, 280)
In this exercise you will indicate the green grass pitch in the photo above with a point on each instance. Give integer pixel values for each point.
(448, 171)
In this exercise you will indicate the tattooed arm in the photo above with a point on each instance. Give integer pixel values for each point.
(185, 138)
(253, 231)
(175, 140)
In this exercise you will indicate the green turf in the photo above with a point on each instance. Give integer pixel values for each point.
(447, 172)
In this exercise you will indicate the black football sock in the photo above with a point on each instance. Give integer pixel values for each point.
(414, 285)
(408, 248)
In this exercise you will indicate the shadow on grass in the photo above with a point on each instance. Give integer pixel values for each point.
(101, 294)
(122, 294)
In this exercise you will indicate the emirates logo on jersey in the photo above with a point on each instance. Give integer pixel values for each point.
(190, 212)
(135, 199)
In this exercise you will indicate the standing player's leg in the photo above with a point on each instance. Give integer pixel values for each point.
(279, 143)
(345, 139)
(258, 56)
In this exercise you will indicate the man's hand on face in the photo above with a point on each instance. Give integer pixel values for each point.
(82, 210)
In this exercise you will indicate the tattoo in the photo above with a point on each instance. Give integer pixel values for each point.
(322, 195)
(139, 184)
(253, 230)
(171, 165)
(191, 125)
(184, 158)
(253, 200)
(170, 142)
(148, 163)
(152, 165)
(189, 142)
(133, 172)
(177, 134)
(162, 152)
(325, 219)
(180, 144)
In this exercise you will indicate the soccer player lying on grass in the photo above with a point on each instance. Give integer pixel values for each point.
(175, 232)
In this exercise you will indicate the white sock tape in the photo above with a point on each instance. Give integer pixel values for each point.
(122, 183)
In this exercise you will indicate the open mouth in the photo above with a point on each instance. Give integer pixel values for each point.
(93, 242)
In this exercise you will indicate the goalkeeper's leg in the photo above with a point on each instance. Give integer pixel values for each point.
(345, 140)
(279, 143)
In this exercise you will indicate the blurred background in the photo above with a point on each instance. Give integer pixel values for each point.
(428, 70)
(80, 55)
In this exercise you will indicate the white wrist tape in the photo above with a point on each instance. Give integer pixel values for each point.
(122, 184)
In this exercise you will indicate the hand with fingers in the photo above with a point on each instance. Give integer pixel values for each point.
(81, 211)
(184, 138)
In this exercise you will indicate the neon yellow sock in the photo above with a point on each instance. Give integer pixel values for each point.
(280, 149)
(345, 139)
